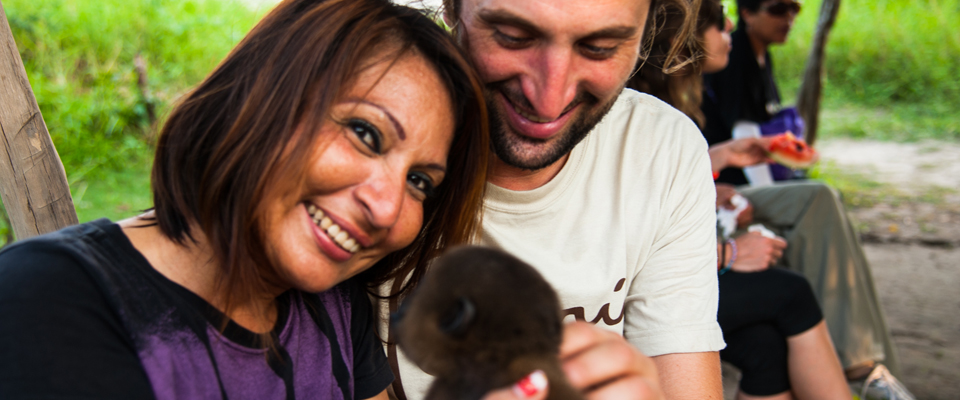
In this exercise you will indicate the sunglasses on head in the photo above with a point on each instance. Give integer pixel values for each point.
(782, 8)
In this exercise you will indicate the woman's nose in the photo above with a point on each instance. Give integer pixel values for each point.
(381, 196)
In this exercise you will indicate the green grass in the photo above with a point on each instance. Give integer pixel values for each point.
(80, 59)
(890, 71)
(860, 191)
(890, 74)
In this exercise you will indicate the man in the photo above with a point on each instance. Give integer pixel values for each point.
(608, 194)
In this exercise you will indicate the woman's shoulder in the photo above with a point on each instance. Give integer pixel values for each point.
(51, 305)
(68, 252)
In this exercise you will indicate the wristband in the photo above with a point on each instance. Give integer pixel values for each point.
(733, 256)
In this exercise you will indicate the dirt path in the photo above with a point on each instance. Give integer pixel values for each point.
(909, 219)
(918, 287)
(912, 239)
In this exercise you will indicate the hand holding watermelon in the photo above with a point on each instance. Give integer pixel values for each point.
(791, 151)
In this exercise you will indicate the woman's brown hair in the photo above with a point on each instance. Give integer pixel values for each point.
(247, 131)
(681, 87)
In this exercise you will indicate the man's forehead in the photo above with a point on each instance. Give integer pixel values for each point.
(583, 16)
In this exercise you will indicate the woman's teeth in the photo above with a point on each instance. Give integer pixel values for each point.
(333, 230)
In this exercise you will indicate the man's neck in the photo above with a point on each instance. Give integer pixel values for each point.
(518, 179)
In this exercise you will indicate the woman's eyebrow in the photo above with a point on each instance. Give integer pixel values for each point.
(437, 167)
(396, 124)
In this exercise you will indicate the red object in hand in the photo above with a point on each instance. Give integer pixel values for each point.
(792, 152)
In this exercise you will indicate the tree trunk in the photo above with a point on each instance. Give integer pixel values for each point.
(32, 181)
(808, 98)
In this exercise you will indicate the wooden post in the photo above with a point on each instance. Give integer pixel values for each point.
(32, 181)
(808, 98)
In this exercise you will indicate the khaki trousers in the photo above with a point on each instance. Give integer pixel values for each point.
(823, 246)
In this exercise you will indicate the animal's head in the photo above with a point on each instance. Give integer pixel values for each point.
(478, 306)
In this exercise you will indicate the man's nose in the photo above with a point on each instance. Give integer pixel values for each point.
(552, 83)
(381, 197)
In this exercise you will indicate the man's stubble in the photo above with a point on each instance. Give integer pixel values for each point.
(533, 154)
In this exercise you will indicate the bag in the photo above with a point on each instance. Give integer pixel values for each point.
(788, 119)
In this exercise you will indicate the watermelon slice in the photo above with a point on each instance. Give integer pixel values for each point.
(792, 152)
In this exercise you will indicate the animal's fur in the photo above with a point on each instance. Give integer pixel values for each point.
(481, 320)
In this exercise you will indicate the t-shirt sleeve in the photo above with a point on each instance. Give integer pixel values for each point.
(371, 370)
(672, 303)
(59, 338)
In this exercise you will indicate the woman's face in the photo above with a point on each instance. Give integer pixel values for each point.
(716, 44)
(379, 154)
(772, 21)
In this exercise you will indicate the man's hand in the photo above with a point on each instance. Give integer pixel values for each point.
(756, 252)
(739, 153)
(602, 365)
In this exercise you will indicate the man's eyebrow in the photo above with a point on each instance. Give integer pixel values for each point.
(498, 17)
(503, 17)
(396, 125)
(614, 32)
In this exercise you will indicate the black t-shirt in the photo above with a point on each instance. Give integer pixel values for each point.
(84, 315)
(741, 91)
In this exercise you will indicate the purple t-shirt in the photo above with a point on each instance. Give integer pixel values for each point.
(324, 345)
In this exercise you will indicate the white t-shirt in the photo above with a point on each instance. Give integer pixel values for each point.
(626, 232)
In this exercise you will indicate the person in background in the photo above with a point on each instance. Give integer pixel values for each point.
(336, 139)
(745, 89)
(815, 237)
(771, 321)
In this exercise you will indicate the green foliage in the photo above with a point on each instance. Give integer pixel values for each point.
(881, 52)
(79, 56)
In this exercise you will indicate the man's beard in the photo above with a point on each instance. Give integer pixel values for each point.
(527, 153)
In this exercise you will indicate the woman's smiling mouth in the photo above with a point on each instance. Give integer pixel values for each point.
(333, 231)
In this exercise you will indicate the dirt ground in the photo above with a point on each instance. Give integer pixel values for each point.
(912, 240)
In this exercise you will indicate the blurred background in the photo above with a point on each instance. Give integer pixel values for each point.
(106, 72)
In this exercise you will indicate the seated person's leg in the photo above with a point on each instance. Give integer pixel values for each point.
(760, 352)
(825, 248)
(780, 298)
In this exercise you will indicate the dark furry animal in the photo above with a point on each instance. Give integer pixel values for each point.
(481, 320)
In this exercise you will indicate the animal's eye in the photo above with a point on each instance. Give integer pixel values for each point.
(367, 133)
(456, 320)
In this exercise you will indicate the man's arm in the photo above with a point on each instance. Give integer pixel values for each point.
(690, 375)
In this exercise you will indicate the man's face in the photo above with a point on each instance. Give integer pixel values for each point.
(552, 69)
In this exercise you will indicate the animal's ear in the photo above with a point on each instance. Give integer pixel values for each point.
(456, 319)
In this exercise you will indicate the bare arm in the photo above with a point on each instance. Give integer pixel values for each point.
(382, 396)
(694, 376)
(739, 153)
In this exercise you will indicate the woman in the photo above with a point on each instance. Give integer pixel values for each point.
(746, 89)
(771, 321)
(337, 139)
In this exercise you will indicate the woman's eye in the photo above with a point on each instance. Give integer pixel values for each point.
(422, 183)
(367, 133)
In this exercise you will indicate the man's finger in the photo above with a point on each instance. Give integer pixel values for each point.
(578, 336)
(531, 387)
